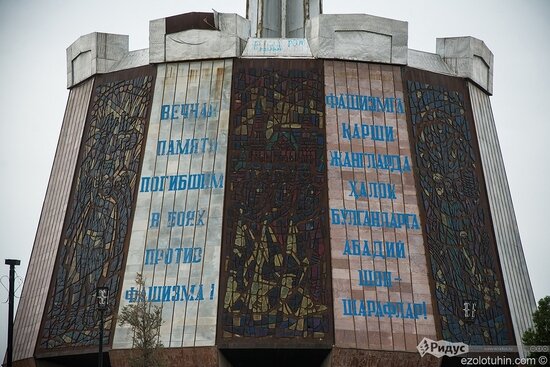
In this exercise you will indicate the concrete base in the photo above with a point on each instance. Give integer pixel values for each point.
(212, 357)
(340, 357)
(180, 357)
(29, 362)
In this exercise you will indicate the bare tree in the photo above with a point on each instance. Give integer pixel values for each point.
(145, 321)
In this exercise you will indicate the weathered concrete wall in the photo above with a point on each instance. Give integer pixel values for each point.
(358, 37)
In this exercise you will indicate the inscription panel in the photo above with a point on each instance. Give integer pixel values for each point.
(382, 297)
(176, 235)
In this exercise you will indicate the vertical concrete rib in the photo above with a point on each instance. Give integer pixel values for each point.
(514, 268)
(42, 260)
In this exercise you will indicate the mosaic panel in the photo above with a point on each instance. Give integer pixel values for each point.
(100, 209)
(465, 267)
(275, 259)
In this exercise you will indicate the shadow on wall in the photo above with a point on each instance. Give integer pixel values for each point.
(274, 357)
(81, 360)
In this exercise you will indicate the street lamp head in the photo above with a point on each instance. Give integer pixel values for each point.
(102, 297)
(13, 262)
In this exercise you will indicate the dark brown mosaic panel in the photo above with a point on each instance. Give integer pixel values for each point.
(99, 215)
(275, 283)
(469, 290)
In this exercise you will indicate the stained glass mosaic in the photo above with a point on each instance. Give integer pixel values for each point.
(275, 251)
(465, 267)
(98, 218)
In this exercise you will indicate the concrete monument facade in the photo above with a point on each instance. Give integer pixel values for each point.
(292, 186)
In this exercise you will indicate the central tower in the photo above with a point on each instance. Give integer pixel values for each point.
(281, 18)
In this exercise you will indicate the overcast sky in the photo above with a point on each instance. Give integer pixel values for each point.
(34, 35)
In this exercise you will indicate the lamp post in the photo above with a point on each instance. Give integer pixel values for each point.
(9, 352)
(102, 297)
